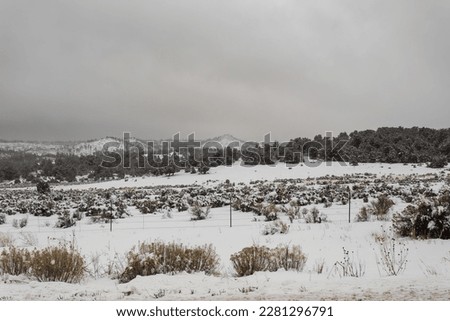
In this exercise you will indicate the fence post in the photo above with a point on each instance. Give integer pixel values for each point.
(110, 216)
(349, 203)
(231, 209)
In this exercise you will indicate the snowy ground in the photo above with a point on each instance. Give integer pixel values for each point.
(237, 173)
(426, 276)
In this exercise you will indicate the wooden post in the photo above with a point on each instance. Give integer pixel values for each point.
(110, 216)
(231, 209)
(349, 203)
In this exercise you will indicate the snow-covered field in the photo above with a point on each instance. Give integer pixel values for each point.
(246, 174)
(426, 276)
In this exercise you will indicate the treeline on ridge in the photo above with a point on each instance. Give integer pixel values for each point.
(386, 145)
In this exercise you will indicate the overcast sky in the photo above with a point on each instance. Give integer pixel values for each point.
(74, 69)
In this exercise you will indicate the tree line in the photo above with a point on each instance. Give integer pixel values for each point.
(386, 145)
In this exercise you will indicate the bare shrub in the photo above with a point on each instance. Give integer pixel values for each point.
(319, 266)
(261, 258)
(94, 266)
(380, 207)
(161, 258)
(198, 213)
(288, 258)
(363, 215)
(428, 270)
(116, 267)
(6, 240)
(392, 254)
(277, 227)
(349, 266)
(380, 237)
(28, 239)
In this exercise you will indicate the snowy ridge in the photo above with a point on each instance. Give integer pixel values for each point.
(91, 146)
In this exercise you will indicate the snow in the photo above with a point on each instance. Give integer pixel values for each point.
(425, 277)
(246, 174)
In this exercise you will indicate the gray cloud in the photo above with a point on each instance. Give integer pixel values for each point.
(85, 69)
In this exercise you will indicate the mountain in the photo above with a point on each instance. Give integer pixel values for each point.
(225, 140)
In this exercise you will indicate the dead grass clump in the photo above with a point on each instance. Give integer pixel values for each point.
(15, 261)
(288, 258)
(261, 258)
(251, 259)
(57, 264)
(276, 227)
(161, 258)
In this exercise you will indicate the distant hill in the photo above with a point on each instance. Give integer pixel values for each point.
(90, 147)
(53, 148)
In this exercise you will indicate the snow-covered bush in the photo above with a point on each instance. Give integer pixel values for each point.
(2, 218)
(43, 187)
(304, 212)
(314, 216)
(161, 258)
(20, 223)
(261, 258)
(270, 212)
(276, 227)
(363, 215)
(381, 206)
(42, 207)
(198, 213)
(6, 240)
(65, 220)
(438, 162)
(428, 219)
(293, 212)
